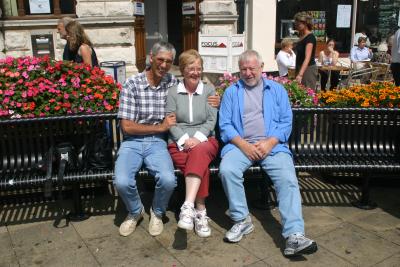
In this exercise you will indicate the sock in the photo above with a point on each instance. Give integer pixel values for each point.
(190, 204)
(201, 212)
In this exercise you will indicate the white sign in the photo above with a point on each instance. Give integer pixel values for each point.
(138, 8)
(220, 52)
(213, 45)
(189, 8)
(39, 6)
(343, 16)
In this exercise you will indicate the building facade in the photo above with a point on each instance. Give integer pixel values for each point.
(121, 30)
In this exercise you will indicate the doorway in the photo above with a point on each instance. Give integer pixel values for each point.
(164, 21)
(175, 36)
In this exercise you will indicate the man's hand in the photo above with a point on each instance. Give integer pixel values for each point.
(265, 146)
(251, 151)
(169, 121)
(191, 143)
(214, 101)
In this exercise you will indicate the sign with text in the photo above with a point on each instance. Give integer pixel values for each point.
(219, 52)
(343, 17)
(189, 8)
(39, 6)
(138, 8)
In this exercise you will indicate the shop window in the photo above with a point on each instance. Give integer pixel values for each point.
(33, 9)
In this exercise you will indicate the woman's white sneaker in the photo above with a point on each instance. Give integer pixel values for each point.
(186, 217)
(201, 226)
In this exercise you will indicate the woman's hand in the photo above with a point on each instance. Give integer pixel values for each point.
(299, 78)
(191, 143)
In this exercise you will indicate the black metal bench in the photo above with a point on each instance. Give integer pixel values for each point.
(363, 141)
(347, 140)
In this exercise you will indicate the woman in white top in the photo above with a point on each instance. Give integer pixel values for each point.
(329, 57)
(286, 58)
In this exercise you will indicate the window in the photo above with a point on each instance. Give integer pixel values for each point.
(33, 9)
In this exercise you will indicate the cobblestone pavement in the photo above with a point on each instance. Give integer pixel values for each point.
(346, 236)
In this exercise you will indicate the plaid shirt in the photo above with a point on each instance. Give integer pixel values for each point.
(142, 103)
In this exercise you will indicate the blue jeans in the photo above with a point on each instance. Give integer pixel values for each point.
(280, 169)
(152, 150)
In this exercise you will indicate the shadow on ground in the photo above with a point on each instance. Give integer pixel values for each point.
(21, 207)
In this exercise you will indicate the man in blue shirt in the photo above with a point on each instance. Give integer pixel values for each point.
(255, 121)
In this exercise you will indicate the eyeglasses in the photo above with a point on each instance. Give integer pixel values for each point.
(160, 61)
(193, 70)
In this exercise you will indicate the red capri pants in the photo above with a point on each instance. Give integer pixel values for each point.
(195, 161)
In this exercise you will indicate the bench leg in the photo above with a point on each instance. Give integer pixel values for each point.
(264, 202)
(365, 203)
(78, 214)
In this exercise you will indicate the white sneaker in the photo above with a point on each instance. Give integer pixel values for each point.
(129, 225)
(186, 217)
(156, 225)
(201, 226)
(298, 244)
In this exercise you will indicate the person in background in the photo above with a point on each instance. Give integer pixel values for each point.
(389, 41)
(329, 57)
(255, 121)
(286, 58)
(306, 69)
(395, 66)
(80, 44)
(362, 33)
(359, 54)
(192, 144)
(61, 23)
(382, 55)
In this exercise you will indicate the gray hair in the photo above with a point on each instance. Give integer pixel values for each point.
(246, 55)
(162, 46)
(65, 20)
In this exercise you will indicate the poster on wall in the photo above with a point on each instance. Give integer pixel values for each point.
(343, 17)
(39, 6)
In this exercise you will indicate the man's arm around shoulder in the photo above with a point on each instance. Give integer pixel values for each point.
(133, 128)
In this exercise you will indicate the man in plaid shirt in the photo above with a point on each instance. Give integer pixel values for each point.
(144, 125)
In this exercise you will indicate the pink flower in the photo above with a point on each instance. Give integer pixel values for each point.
(66, 96)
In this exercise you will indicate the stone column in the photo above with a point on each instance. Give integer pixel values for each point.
(260, 30)
(110, 26)
(218, 17)
(2, 55)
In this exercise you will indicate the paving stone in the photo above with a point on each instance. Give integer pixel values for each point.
(266, 240)
(43, 244)
(7, 255)
(321, 258)
(348, 213)
(391, 235)
(357, 245)
(97, 226)
(317, 222)
(138, 249)
(379, 223)
(390, 262)
(192, 250)
(259, 264)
